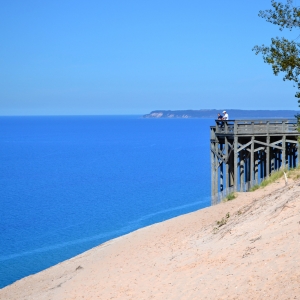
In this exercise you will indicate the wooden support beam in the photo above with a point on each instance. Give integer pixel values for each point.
(261, 159)
(217, 154)
(283, 161)
(227, 170)
(268, 158)
(298, 149)
(231, 160)
(260, 148)
(235, 163)
(248, 168)
(288, 154)
(256, 160)
(217, 169)
(294, 156)
(291, 141)
(230, 145)
(252, 161)
(265, 144)
(242, 171)
(221, 172)
(291, 156)
(221, 152)
(264, 163)
(244, 146)
(277, 142)
(273, 157)
(212, 170)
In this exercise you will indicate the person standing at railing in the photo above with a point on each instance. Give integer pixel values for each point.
(220, 124)
(225, 117)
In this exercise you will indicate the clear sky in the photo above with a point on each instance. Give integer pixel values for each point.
(130, 57)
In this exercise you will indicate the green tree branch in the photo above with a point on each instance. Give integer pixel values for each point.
(283, 54)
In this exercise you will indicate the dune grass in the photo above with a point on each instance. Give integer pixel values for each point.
(229, 197)
(272, 178)
(292, 174)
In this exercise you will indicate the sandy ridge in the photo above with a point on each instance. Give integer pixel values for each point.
(255, 255)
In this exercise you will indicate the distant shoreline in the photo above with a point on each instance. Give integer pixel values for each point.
(212, 113)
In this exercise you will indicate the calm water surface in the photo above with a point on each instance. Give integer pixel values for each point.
(68, 184)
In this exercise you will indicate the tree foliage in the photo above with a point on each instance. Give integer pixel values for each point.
(283, 54)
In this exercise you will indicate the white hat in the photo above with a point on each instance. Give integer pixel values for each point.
(224, 112)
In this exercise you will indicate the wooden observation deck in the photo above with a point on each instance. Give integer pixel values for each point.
(245, 152)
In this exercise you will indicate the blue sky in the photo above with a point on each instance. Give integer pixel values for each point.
(131, 57)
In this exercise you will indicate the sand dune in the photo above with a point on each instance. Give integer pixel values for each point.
(254, 255)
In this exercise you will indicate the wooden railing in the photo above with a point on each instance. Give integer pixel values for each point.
(257, 127)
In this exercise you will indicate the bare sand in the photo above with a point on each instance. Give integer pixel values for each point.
(255, 255)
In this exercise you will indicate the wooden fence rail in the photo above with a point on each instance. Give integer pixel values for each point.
(261, 127)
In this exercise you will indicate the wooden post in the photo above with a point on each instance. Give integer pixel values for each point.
(216, 169)
(273, 157)
(277, 152)
(235, 166)
(283, 160)
(227, 169)
(265, 164)
(298, 149)
(294, 156)
(242, 171)
(212, 165)
(212, 169)
(268, 158)
(231, 169)
(252, 161)
(248, 170)
(287, 154)
(261, 159)
(256, 167)
(221, 173)
(290, 156)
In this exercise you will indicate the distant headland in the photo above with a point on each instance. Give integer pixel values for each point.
(212, 113)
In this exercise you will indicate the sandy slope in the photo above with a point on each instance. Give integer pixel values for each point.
(255, 255)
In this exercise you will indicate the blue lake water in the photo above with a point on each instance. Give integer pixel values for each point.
(68, 184)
